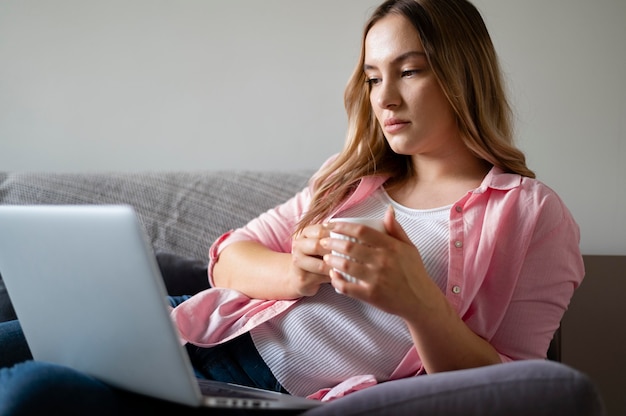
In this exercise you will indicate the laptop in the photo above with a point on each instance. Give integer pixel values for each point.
(87, 289)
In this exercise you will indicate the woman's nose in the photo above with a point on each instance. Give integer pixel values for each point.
(388, 95)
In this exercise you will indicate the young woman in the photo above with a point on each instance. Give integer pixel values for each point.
(478, 261)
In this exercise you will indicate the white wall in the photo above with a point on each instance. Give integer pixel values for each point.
(146, 85)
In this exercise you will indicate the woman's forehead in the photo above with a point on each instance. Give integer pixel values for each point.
(390, 38)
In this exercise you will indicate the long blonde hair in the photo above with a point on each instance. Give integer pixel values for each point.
(462, 57)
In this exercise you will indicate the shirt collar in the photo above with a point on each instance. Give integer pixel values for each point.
(498, 179)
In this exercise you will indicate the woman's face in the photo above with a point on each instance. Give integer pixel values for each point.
(409, 105)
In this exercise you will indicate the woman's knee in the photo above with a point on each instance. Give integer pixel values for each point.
(34, 387)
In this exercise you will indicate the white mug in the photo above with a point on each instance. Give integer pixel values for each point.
(375, 223)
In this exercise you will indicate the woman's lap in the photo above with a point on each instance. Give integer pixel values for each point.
(236, 361)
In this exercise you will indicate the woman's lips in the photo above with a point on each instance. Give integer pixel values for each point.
(393, 125)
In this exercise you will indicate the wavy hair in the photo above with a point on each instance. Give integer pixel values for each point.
(464, 61)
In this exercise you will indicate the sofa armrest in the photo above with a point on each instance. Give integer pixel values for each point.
(520, 388)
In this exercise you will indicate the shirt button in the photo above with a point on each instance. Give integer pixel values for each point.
(458, 244)
(458, 208)
(456, 290)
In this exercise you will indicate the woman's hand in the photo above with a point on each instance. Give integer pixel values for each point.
(308, 269)
(261, 273)
(388, 267)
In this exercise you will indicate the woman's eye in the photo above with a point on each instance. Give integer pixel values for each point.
(373, 81)
(410, 72)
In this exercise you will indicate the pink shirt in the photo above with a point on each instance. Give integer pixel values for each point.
(514, 264)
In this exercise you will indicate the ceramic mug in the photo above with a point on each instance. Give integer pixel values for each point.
(375, 223)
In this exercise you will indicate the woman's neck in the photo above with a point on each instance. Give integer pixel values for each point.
(439, 182)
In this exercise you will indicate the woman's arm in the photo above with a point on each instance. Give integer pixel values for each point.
(261, 273)
(263, 260)
(551, 270)
(253, 269)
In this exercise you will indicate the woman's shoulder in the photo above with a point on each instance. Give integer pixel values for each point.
(506, 181)
(529, 194)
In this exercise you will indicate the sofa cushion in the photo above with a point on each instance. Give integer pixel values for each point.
(182, 275)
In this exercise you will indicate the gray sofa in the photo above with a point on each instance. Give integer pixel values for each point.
(184, 212)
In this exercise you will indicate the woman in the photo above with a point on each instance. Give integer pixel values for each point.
(478, 260)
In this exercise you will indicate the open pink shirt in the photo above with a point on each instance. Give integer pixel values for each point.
(514, 263)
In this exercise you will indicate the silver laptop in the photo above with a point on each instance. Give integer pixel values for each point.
(87, 290)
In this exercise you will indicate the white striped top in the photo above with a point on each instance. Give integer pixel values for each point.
(327, 338)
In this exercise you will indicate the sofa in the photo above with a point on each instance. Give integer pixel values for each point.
(184, 212)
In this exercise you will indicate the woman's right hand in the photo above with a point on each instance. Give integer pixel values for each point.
(308, 270)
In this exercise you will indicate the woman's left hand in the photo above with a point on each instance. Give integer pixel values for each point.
(388, 268)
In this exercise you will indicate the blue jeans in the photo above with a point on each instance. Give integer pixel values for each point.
(32, 387)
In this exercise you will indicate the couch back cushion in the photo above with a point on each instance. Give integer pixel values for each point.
(182, 212)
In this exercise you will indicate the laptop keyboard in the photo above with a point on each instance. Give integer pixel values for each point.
(212, 388)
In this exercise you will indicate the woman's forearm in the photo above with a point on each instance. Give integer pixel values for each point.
(446, 343)
(254, 270)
